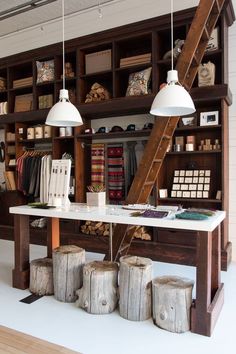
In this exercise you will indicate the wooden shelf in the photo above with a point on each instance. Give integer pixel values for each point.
(30, 141)
(99, 73)
(115, 135)
(194, 152)
(71, 137)
(133, 68)
(198, 128)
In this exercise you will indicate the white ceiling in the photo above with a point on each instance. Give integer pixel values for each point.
(41, 14)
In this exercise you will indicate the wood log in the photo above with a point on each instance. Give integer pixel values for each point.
(172, 298)
(68, 262)
(135, 288)
(41, 276)
(99, 292)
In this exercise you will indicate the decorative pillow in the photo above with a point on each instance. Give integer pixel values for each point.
(139, 82)
(45, 71)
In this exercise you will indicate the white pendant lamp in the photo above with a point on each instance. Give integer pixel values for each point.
(64, 113)
(172, 99)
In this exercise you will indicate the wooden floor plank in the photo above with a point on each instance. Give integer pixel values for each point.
(14, 342)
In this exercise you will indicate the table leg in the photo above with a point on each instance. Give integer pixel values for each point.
(53, 235)
(111, 242)
(20, 274)
(209, 291)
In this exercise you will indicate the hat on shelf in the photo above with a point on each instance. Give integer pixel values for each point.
(148, 126)
(130, 127)
(102, 130)
(116, 128)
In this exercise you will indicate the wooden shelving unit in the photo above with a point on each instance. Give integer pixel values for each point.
(149, 36)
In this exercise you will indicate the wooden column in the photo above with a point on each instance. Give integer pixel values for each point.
(53, 235)
(209, 291)
(20, 274)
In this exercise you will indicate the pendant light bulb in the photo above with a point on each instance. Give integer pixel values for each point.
(172, 99)
(63, 113)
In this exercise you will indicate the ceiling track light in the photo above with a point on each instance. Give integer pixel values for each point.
(27, 6)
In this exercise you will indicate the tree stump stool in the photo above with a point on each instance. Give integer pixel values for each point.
(68, 262)
(41, 276)
(135, 288)
(99, 292)
(172, 298)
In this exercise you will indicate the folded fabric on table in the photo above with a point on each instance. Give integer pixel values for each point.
(191, 216)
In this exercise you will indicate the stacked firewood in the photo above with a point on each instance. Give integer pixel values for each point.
(95, 228)
(140, 232)
(97, 93)
(102, 229)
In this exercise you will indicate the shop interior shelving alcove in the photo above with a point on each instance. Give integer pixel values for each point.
(149, 36)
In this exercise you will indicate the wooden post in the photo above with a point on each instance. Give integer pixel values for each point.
(41, 278)
(172, 298)
(99, 292)
(68, 262)
(135, 288)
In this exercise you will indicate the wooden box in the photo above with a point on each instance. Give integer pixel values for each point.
(23, 103)
(98, 61)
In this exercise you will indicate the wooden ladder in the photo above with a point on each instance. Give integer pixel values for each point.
(191, 56)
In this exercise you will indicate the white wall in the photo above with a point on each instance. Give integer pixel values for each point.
(123, 12)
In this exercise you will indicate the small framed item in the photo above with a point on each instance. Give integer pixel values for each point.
(192, 187)
(189, 173)
(181, 179)
(176, 187)
(179, 194)
(188, 121)
(205, 194)
(201, 180)
(207, 173)
(176, 180)
(193, 194)
(186, 194)
(182, 173)
(206, 187)
(209, 118)
(207, 179)
(196, 173)
(163, 193)
(213, 42)
(184, 187)
(176, 173)
(199, 194)
(200, 187)
(195, 179)
(201, 173)
(188, 180)
(173, 194)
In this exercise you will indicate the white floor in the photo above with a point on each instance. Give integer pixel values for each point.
(69, 326)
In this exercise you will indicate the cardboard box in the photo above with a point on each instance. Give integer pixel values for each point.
(98, 61)
(96, 199)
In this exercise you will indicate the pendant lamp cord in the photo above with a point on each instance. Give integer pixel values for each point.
(63, 44)
(172, 35)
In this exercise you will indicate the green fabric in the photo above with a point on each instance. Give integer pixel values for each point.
(191, 216)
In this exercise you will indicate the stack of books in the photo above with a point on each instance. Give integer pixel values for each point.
(27, 81)
(45, 101)
(135, 60)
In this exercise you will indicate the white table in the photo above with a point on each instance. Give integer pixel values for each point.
(209, 290)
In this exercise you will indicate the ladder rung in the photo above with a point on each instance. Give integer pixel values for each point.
(157, 160)
(206, 34)
(216, 7)
(167, 137)
(149, 183)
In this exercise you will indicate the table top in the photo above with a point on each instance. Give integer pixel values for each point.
(115, 214)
